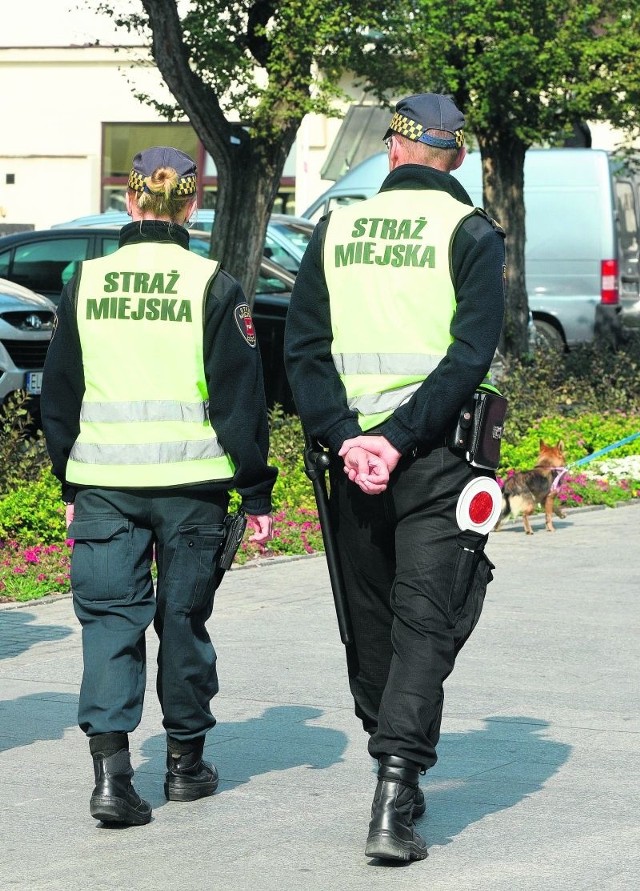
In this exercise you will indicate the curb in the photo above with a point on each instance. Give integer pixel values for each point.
(256, 564)
(262, 562)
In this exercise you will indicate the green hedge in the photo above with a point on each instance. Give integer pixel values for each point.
(590, 399)
(582, 435)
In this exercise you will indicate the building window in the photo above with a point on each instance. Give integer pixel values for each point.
(121, 141)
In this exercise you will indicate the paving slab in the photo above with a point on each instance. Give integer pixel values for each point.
(537, 783)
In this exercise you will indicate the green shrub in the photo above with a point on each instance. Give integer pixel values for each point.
(292, 488)
(33, 512)
(582, 435)
(23, 454)
(589, 398)
(588, 380)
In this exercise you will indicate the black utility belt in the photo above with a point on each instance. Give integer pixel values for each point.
(479, 428)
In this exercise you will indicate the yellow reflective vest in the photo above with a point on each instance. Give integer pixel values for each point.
(387, 265)
(144, 416)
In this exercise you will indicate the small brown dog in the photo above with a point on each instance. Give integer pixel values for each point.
(526, 488)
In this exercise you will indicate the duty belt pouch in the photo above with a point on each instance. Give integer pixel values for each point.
(479, 429)
(234, 525)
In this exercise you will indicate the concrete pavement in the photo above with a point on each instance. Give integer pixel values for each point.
(537, 786)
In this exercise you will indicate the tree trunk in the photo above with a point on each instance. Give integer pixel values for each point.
(248, 180)
(503, 196)
(249, 168)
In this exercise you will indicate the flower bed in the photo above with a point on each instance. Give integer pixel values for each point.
(27, 573)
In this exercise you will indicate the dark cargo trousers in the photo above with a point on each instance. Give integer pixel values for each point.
(116, 536)
(415, 585)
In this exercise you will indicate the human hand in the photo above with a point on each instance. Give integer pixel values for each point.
(377, 445)
(262, 527)
(68, 514)
(366, 470)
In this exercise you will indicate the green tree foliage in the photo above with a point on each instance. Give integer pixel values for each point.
(525, 72)
(245, 74)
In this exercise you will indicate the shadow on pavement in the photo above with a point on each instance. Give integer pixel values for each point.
(486, 771)
(17, 634)
(279, 739)
(40, 716)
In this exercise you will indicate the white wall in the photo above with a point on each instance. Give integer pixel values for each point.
(54, 103)
(61, 79)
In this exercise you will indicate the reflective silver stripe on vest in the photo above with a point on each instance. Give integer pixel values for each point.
(386, 363)
(372, 403)
(144, 410)
(146, 453)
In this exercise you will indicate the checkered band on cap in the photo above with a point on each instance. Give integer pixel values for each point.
(416, 132)
(406, 127)
(136, 181)
(186, 184)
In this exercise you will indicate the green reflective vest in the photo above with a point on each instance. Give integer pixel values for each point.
(144, 416)
(391, 295)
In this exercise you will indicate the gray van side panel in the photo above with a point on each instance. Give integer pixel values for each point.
(570, 226)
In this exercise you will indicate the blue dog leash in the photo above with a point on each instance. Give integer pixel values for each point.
(604, 451)
(594, 455)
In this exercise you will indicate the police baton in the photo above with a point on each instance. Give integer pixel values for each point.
(316, 462)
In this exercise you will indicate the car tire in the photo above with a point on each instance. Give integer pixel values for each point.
(548, 336)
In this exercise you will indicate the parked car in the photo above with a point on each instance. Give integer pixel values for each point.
(285, 241)
(582, 211)
(26, 325)
(44, 260)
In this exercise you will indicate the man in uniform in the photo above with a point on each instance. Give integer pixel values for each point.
(153, 408)
(393, 323)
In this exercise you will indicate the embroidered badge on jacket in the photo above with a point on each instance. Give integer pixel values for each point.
(244, 322)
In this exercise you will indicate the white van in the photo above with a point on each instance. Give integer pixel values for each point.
(581, 254)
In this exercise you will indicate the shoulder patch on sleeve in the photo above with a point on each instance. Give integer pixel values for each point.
(493, 223)
(479, 223)
(242, 315)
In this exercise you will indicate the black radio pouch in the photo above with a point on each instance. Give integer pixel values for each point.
(234, 526)
(479, 428)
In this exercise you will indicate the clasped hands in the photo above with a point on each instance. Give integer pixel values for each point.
(369, 461)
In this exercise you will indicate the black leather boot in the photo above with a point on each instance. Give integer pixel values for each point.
(188, 776)
(392, 835)
(419, 804)
(114, 800)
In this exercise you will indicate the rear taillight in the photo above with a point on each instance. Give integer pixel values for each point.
(609, 282)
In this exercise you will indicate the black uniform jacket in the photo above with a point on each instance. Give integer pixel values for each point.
(233, 369)
(477, 266)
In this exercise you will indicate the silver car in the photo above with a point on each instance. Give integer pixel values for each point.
(26, 326)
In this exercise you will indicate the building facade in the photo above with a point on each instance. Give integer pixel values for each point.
(71, 122)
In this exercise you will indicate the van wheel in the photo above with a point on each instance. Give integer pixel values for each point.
(548, 336)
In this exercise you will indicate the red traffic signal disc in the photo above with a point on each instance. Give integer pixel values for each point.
(479, 505)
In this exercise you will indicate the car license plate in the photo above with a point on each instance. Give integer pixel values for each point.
(33, 383)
